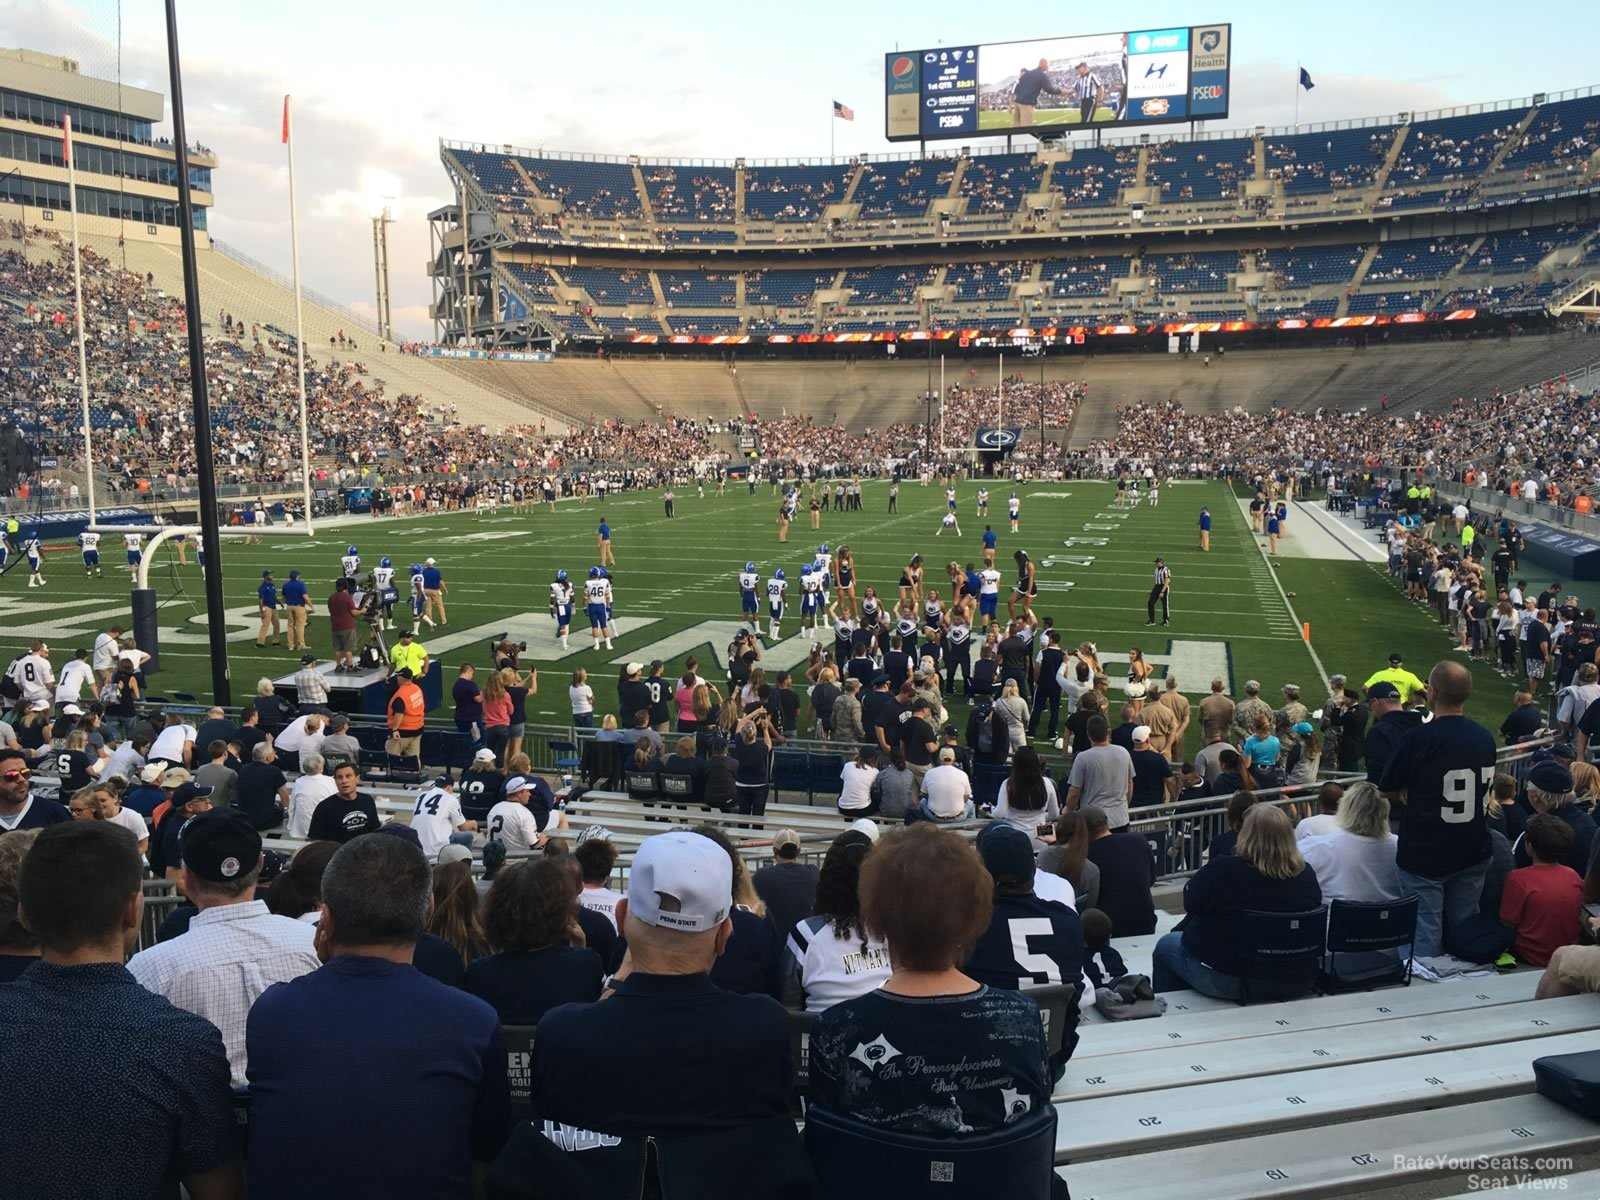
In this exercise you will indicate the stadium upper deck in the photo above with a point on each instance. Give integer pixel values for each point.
(1414, 217)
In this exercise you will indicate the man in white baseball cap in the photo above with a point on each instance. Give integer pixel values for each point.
(727, 1055)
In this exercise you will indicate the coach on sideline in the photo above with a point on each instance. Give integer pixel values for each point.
(667, 1054)
(108, 1090)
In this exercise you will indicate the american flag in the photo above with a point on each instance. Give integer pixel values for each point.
(843, 113)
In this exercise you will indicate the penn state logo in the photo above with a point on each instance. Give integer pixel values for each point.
(1015, 1103)
(875, 1053)
(229, 867)
(1210, 40)
(996, 439)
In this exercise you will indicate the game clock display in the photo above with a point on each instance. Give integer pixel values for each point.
(1050, 85)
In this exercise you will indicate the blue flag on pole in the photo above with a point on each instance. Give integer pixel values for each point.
(1305, 79)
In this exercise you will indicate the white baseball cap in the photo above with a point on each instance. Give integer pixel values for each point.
(517, 783)
(427, 562)
(867, 826)
(483, 756)
(688, 868)
(1141, 733)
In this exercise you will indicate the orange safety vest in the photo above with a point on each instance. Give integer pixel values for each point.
(410, 695)
(1583, 504)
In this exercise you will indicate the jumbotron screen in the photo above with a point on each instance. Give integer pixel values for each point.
(1103, 80)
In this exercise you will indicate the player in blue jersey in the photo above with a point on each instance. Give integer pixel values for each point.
(35, 554)
(749, 585)
(561, 594)
(990, 541)
(89, 544)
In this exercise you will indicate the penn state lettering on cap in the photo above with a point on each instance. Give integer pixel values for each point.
(680, 881)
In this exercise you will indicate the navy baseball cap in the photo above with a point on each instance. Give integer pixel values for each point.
(1007, 852)
(1383, 691)
(220, 845)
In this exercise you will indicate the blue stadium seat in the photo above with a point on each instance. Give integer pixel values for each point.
(794, 193)
(1365, 930)
(1289, 944)
(791, 772)
(1200, 170)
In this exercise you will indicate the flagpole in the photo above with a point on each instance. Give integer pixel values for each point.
(941, 406)
(1297, 69)
(77, 289)
(299, 319)
(833, 124)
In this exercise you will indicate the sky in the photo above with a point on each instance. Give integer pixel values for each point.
(376, 85)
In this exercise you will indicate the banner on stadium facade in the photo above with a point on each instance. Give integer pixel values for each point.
(989, 438)
(495, 355)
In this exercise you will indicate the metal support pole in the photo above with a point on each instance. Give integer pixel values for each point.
(205, 467)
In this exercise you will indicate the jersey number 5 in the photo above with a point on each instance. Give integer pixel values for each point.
(1463, 798)
(1041, 968)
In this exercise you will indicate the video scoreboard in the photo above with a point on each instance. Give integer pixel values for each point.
(1050, 85)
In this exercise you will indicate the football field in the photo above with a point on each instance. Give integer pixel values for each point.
(1233, 616)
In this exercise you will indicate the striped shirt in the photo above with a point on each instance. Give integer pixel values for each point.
(1084, 86)
(1163, 577)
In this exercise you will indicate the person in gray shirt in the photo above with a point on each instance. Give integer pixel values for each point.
(339, 746)
(1209, 761)
(1102, 776)
(218, 775)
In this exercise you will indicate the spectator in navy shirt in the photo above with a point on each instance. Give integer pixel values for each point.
(1127, 874)
(109, 1090)
(726, 1056)
(392, 1058)
(530, 921)
(750, 961)
(1264, 874)
(469, 705)
(18, 808)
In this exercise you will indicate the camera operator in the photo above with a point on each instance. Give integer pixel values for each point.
(744, 652)
(506, 653)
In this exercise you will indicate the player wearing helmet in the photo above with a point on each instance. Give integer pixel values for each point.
(35, 555)
(561, 592)
(777, 587)
(749, 584)
(350, 564)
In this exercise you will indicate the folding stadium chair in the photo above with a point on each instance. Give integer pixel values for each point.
(791, 771)
(800, 1052)
(642, 785)
(1290, 943)
(519, 1069)
(1367, 930)
(678, 788)
(566, 756)
(859, 1162)
(1058, 1006)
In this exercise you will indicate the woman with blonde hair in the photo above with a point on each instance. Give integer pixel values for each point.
(1265, 873)
(581, 697)
(519, 688)
(1013, 710)
(1355, 861)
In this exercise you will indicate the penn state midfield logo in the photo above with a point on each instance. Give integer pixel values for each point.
(997, 439)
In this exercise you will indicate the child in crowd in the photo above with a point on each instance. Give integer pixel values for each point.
(1541, 902)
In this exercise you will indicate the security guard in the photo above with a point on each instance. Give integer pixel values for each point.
(407, 711)
(1410, 687)
(408, 654)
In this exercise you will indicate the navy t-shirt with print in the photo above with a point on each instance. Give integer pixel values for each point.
(1446, 768)
(931, 1065)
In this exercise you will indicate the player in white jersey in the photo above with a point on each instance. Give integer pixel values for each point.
(776, 588)
(597, 605)
(811, 599)
(823, 565)
(134, 543)
(950, 497)
(35, 553)
(350, 564)
(1133, 492)
(419, 600)
(89, 544)
(561, 592)
(948, 523)
(1014, 509)
(983, 502)
(383, 584)
(1155, 492)
(988, 595)
(749, 584)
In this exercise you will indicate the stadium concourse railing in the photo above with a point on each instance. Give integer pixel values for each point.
(1179, 834)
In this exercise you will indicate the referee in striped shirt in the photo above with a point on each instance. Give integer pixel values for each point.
(1159, 592)
(1087, 90)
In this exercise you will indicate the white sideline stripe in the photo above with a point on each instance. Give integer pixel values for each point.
(1282, 595)
(1185, 1065)
(1133, 1124)
(1316, 1012)
(1342, 1159)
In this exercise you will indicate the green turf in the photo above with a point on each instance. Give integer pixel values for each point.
(1000, 119)
(675, 574)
